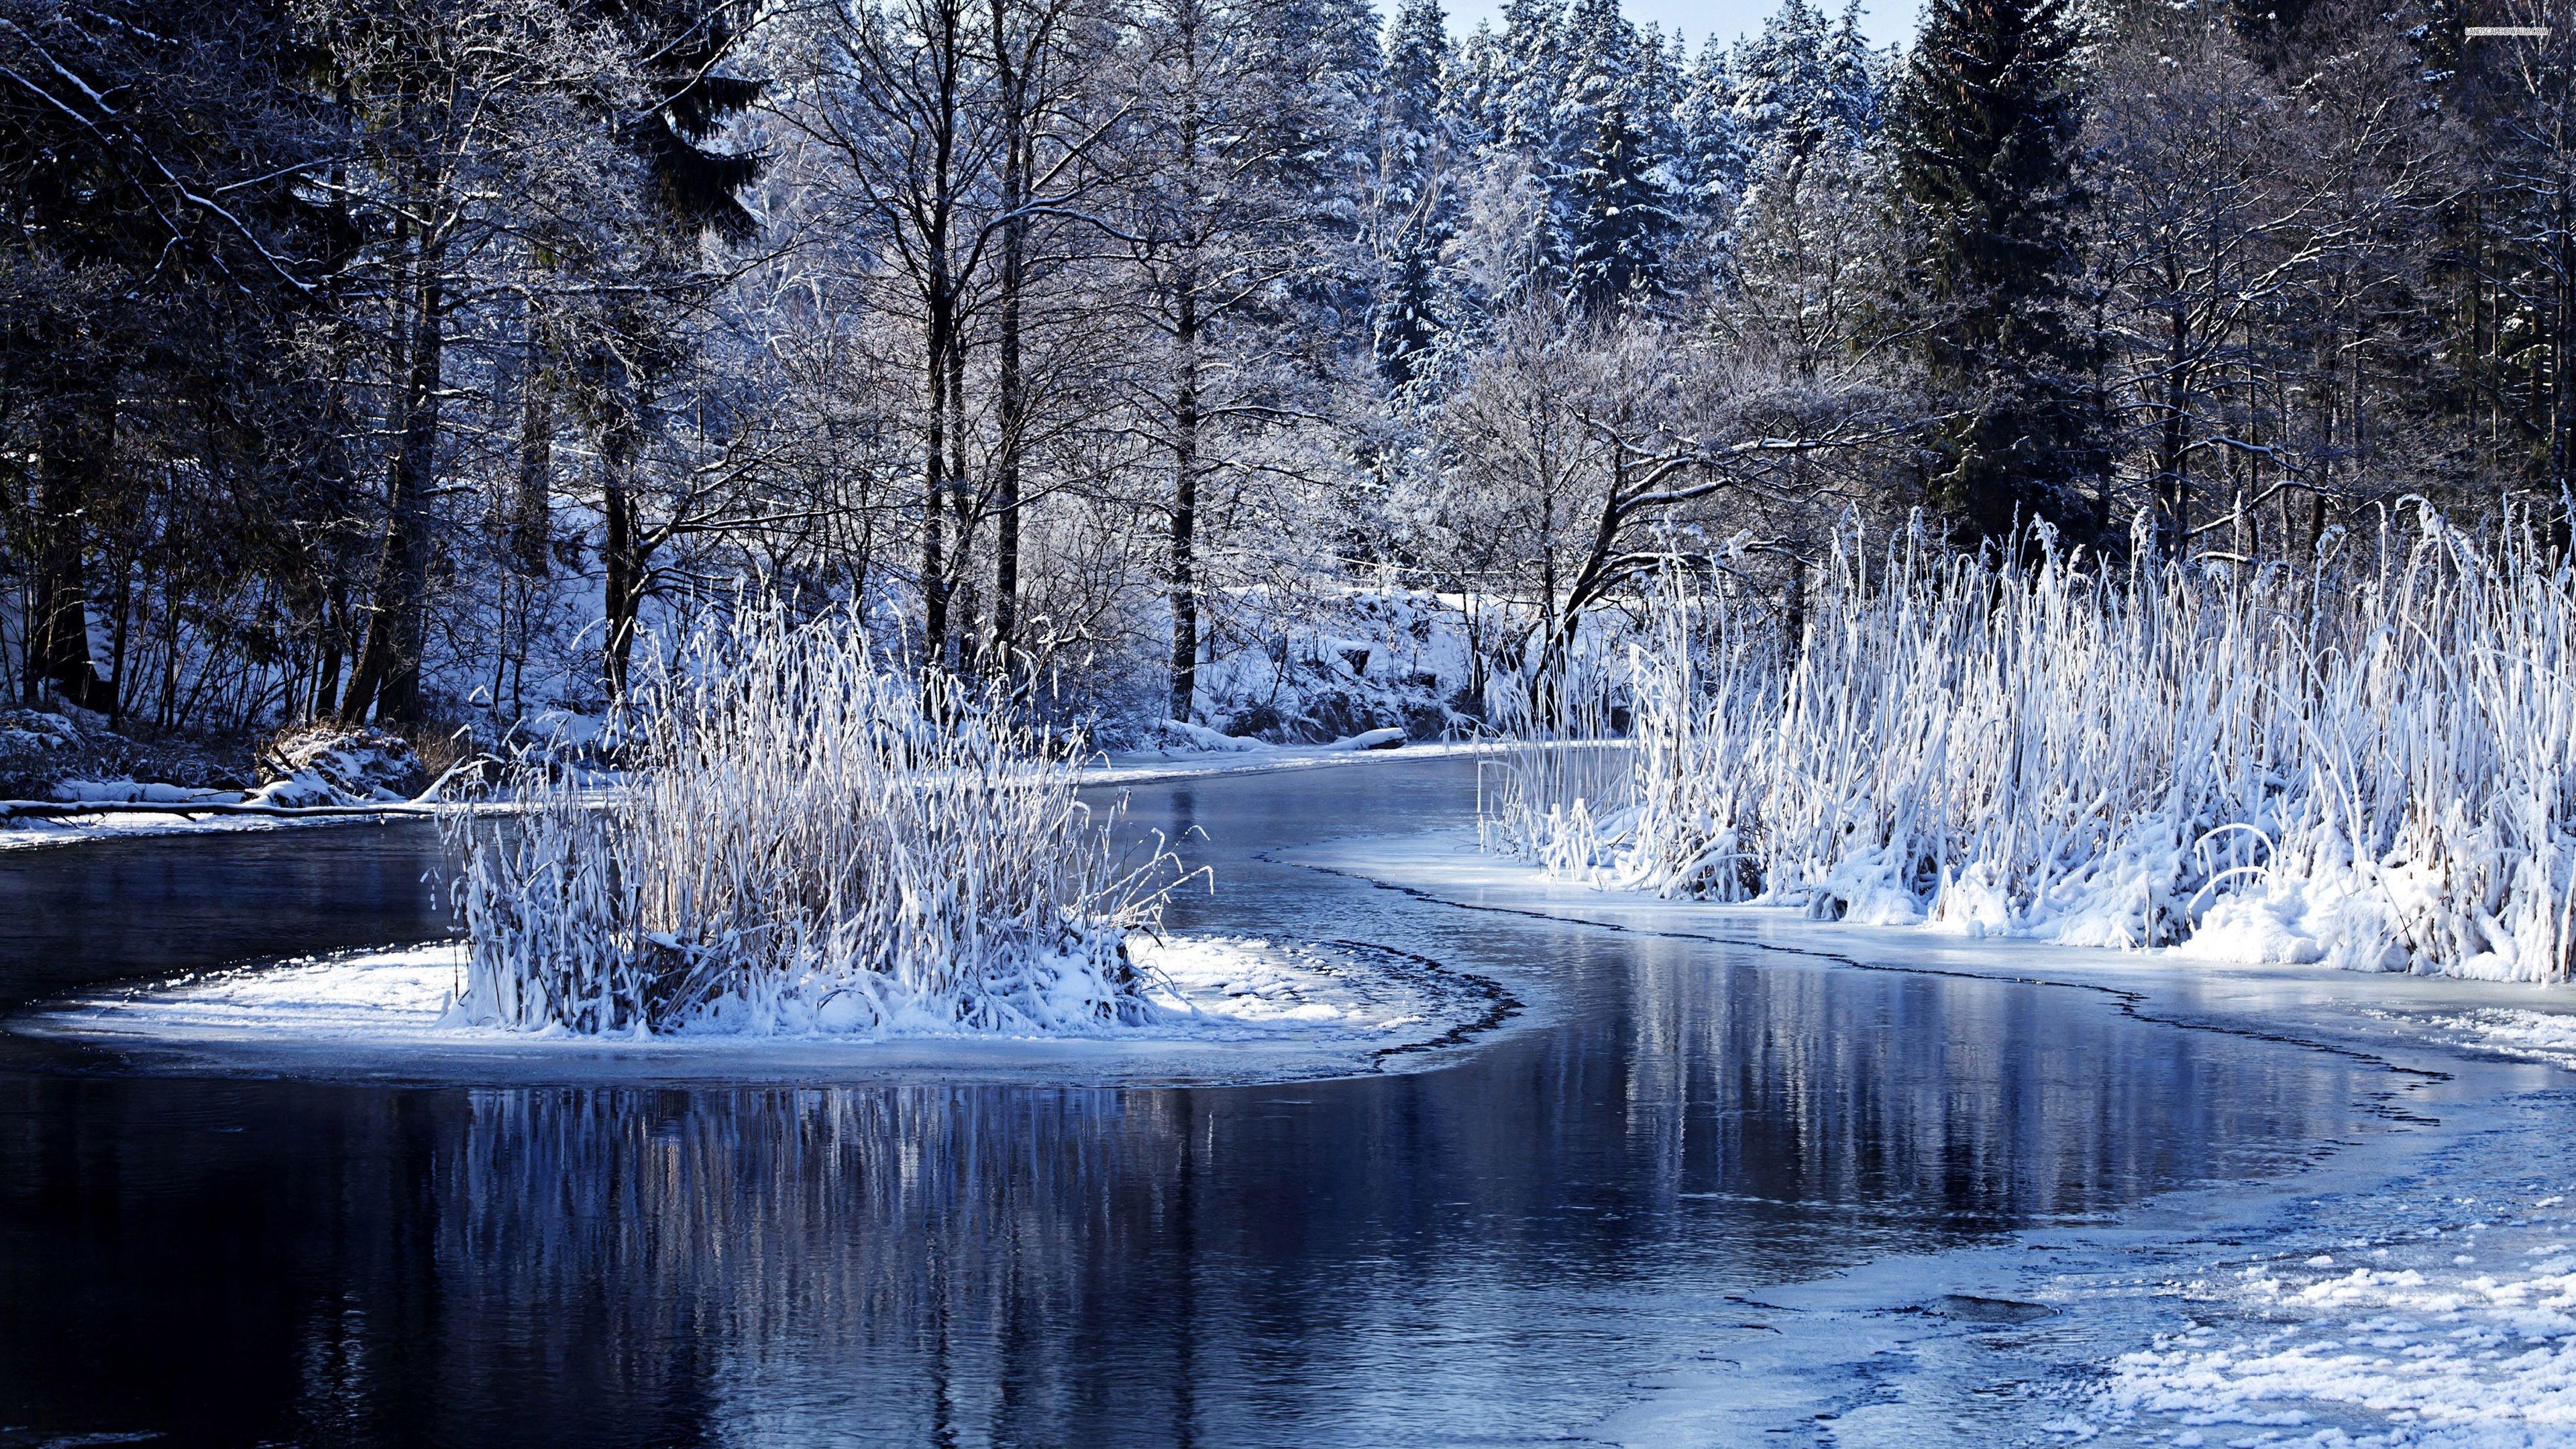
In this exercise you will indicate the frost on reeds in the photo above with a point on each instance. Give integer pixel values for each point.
(810, 840)
(2370, 762)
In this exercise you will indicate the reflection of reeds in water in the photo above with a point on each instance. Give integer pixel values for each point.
(867, 1263)
(811, 840)
(2369, 762)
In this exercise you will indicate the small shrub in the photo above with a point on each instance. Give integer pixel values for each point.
(811, 841)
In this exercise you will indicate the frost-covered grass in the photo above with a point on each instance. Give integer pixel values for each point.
(2370, 762)
(811, 840)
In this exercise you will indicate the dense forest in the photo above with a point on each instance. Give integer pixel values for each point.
(420, 361)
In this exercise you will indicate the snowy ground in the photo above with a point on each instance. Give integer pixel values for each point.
(1230, 1008)
(2418, 1287)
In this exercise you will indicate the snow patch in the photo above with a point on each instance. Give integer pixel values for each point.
(331, 765)
(2442, 1347)
(1334, 1007)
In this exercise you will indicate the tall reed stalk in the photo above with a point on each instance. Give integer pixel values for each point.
(2369, 762)
(810, 840)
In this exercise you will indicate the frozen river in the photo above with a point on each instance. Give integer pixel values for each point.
(1567, 1229)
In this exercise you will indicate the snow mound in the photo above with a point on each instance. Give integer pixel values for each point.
(37, 731)
(132, 792)
(1181, 735)
(331, 765)
(1343, 1004)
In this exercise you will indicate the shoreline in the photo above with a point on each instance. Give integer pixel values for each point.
(2327, 1300)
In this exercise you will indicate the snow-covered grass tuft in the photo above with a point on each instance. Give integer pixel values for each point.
(811, 840)
(2369, 763)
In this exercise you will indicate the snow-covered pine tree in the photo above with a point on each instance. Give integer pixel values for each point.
(1858, 75)
(1536, 46)
(1619, 215)
(1410, 124)
(1708, 159)
(1612, 198)
(1785, 101)
(1410, 218)
(1982, 125)
(1335, 157)
(1472, 87)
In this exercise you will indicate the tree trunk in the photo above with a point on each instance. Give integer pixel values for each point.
(934, 499)
(79, 434)
(961, 509)
(1793, 621)
(620, 554)
(1009, 402)
(332, 609)
(388, 677)
(2174, 438)
(1185, 504)
(1011, 418)
(531, 521)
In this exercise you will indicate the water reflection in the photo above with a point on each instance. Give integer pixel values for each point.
(1490, 1252)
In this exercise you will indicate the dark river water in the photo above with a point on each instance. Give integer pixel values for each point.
(1500, 1249)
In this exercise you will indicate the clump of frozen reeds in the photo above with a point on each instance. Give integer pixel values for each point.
(2369, 761)
(810, 839)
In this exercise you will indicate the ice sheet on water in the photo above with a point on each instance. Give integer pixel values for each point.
(2536, 1036)
(2447, 1319)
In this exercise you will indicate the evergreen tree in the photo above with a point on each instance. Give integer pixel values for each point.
(1405, 323)
(1801, 87)
(1982, 126)
(1708, 157)
(1855, 73)
(1472, 88)
(678, 45)
(1536, 59)
(1610, 200)
(1615, 246)
(1417, 50)
(1411, 219)
(1784, 95)
(694, 189)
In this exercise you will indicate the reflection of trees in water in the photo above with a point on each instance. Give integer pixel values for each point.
(1124, 1266)
(1981, 1100)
